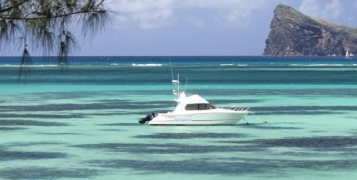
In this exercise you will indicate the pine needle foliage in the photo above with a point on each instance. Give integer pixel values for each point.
(49, 25)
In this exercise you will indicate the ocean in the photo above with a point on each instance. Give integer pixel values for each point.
(81, 122)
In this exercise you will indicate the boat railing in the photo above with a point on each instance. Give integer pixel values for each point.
(243, 109)
(240, 108)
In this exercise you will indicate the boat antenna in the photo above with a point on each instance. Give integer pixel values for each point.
(186, 84)
(172, 73)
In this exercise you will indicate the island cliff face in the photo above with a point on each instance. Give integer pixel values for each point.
(295, 34)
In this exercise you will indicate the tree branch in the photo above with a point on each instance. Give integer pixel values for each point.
(13, 6)
(53, 17)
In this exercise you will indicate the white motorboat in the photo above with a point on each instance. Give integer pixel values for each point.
(194, 110)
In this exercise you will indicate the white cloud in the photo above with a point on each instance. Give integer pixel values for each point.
(310, 7)
(147, 14)
(153, 19)
(333, 9)
(138, 6)
(224, 4)
(231, 13)
(235, 18)
(150, 14)
(330, 10)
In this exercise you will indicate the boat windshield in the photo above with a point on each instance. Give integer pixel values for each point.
(199, 107)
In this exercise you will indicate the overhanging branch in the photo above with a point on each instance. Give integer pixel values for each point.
(13, 6)
(53, 17)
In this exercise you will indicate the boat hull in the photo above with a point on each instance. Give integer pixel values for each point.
(225, 117)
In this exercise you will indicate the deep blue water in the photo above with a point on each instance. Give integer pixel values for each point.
(186, 60)
(236, 70)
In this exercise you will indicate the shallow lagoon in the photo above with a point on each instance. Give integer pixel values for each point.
(83, 123)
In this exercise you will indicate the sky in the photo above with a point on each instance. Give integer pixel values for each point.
(200, 27)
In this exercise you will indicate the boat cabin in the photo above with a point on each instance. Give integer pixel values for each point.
(191, 103)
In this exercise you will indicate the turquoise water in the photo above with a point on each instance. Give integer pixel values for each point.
(82, 124)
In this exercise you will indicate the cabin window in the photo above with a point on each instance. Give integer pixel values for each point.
(199, 107)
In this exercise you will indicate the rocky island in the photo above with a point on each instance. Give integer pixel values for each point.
(295, 34)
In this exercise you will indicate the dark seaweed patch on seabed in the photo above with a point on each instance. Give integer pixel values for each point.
(64, 95)
(286, 92)
(120, 124)
(23, 155)
(46, 173)
(231, 166)
(325, 143)
(168, 148)
(108, 130)
(11, 128)
(68, 107)
(238, 101)
(116, 113)
(301, 110)
(44, 116)
(298, 112)
(304, 108)
(115, 101)
(62, 133)
(268, 127)
(88, 94)
(22, 144)
(185, 167)
(30, 123)
(191, 135)
(339, 164)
